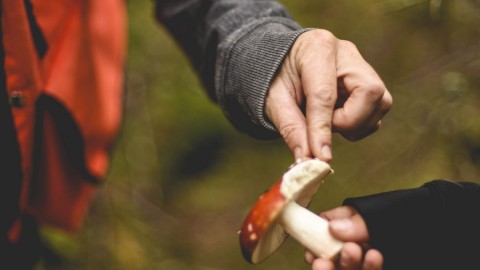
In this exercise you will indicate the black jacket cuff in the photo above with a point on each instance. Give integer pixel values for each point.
(430, 227)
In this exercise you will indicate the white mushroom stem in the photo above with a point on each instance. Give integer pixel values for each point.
(310, 230)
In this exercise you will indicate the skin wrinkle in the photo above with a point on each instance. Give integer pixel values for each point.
(343, 123)
(370, 125)
(256, 87)
(286, 130)
(291, 68)
(376, 95)
(342, 93)
(288, 80)
(320, 94)
(323, 92)
(295, 83)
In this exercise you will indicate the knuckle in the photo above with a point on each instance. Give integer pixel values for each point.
(375, 89)
(387, 102)
(348, 45)
(324, 96)
(287, 131)
(323, 38)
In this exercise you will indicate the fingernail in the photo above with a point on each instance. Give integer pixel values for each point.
(326, 152)
(309, 257)
(297, 153)
(341, 224)
(344, 258)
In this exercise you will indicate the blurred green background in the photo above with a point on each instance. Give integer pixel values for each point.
(182, 179)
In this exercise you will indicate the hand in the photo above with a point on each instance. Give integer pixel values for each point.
(338, 89)
(348, 226)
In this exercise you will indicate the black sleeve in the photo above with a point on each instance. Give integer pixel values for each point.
(435, 226)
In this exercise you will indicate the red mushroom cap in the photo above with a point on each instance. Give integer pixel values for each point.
(260, 234)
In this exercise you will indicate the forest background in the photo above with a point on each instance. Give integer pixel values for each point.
(182, 179)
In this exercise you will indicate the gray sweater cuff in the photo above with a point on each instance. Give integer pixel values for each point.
(248, 61)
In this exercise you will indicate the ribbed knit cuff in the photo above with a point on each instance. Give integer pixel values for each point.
(249, 59)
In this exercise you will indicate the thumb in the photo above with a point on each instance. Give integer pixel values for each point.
(351, 229)
(283, 111)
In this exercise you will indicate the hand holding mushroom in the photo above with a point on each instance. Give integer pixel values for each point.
(280, 212)
(347, 225)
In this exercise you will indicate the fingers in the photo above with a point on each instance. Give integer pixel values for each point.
(345, 224)
(309, 257)
(340, 212)
(372, 124)
(368, 99)
(315, 58)
(373, 260)
(323, 264)
(351, 229)
(356, 135)
(283, 111)
(351, 258)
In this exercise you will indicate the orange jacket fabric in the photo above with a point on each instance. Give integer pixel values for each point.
(82, 74)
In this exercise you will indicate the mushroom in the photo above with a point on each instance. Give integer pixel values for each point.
(281, 211)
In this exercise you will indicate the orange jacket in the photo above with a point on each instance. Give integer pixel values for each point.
(70, 99)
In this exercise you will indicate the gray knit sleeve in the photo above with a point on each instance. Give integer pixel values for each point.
(247, 63)
(236, 46)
